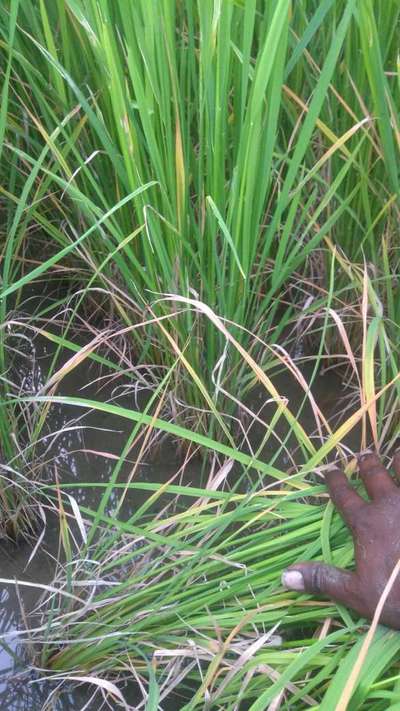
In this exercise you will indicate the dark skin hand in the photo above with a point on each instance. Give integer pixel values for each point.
(375, 527)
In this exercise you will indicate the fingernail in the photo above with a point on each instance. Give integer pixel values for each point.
(293, 580)
(365, 454)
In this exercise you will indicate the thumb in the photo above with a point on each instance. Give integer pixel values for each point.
(340, 585)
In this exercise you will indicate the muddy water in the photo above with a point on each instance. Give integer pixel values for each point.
(87, 454)
(82, 447)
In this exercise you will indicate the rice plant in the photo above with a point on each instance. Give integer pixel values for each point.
(219, 181)
(18, 379)
(184, 597)
(209, 149)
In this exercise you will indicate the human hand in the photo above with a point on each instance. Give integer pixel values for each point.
(375, 527)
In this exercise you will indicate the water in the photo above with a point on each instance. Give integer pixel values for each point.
(84, 449)
(80, 447)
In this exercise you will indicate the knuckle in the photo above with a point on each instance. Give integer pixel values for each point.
(318, 579)
(361, 528)
(358, 512)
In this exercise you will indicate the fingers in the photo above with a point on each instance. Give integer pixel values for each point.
(376, 478)
(340, 585)
(347, 501)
